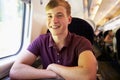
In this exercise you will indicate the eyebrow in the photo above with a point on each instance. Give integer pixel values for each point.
(49, 13)
(57, 13)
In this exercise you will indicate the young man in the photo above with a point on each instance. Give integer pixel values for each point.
(64, 55)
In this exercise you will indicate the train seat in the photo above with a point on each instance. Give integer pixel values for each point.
(82, 28)
(117, 35)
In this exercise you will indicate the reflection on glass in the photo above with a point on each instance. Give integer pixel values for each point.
(11, 16)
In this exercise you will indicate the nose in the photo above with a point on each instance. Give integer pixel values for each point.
(55, 19)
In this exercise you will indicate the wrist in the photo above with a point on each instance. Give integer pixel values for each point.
(52, 74)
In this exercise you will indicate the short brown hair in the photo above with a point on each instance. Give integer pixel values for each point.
(54, 3)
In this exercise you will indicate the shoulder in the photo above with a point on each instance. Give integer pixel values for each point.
(42, 37)
(81, 43)
(79, 38)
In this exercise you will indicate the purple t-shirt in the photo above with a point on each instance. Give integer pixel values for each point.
(44, 47)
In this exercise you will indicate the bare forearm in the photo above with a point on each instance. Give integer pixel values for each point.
(28, 72)
(73, 73)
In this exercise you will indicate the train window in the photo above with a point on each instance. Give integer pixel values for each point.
(11, 25)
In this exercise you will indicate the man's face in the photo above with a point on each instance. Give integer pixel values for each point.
(58, 20)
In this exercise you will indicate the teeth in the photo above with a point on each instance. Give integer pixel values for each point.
(55, 27)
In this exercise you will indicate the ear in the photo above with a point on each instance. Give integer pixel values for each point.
(69, 19)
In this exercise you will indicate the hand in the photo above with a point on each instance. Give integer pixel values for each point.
(59, 77)
(51, 67)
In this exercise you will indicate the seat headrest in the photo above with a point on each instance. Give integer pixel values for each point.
(82, 28)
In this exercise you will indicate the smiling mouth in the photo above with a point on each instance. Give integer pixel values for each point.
(55, 27)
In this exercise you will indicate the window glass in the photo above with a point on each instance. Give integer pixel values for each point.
(11, 22)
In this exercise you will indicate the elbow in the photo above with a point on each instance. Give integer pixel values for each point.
(92, 76)
(12, 74)
(88, 77)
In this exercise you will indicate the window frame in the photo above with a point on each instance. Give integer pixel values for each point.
(7, 61)
(22, 33)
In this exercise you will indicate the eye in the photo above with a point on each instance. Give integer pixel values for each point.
(49, 16)
(60, 15)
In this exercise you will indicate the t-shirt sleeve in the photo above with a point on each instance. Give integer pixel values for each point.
(34, 47)
(84, 45)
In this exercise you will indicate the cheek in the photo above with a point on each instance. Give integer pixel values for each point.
(65, 26)
(48, 24)
(65, 23)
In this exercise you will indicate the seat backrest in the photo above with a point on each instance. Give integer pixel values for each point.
(82, 28)
(117, 35)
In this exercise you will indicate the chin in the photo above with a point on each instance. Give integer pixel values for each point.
(55, 34)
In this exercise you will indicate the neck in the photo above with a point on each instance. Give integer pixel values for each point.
(60, 40)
